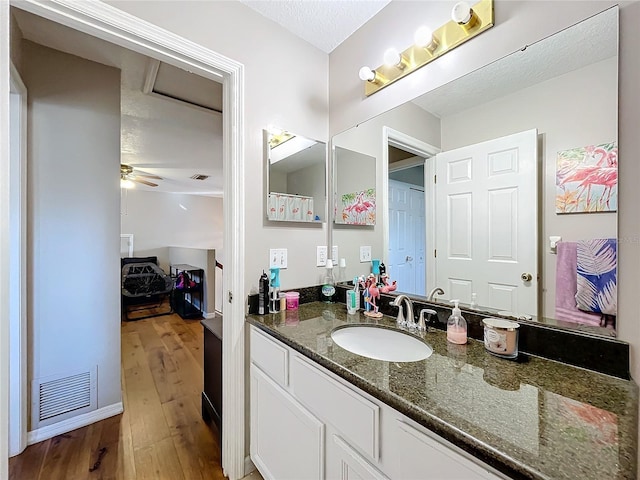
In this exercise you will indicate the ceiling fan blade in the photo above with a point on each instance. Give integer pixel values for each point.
(147, 175)
(144, 182)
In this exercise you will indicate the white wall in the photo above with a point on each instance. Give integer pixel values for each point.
(73, 218)
(572, 110)
(160, 220)
(367, 139)
(286, 86)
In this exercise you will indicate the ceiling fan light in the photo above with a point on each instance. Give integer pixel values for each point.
(126, 183)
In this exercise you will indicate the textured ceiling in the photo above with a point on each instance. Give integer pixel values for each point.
(587, 42)
(325, 24)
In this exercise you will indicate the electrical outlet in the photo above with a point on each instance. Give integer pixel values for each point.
(365, 254)
(321, 256)
(278, 258)
(334, 255)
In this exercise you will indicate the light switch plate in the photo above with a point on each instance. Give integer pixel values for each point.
(334, 255)
(321, 256)
(365, 254)
(278, 258)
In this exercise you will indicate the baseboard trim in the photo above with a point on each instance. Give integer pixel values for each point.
(215, 314)
(70, 424)
(248, 465)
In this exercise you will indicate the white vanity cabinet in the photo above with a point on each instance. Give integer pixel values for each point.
(287, 441)
(308, 423)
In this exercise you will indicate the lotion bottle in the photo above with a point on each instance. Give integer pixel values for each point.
(456, 326)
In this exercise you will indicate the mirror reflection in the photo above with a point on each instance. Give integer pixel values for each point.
(295, 177)
(499, 183)
(355, 187)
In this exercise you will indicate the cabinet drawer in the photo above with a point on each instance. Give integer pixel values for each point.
(270, 357)
(354, 416)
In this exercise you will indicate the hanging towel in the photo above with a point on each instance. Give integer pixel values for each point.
(566, 287)
(597, 275)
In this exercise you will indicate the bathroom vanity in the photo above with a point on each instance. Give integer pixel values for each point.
(319, 411)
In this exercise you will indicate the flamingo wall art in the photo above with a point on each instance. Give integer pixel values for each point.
(359, 208)
(587, 179)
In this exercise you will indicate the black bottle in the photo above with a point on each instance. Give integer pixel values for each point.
(263, 294)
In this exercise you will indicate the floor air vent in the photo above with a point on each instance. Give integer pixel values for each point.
(58, 397)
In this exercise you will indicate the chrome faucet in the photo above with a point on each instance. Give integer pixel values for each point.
(422, 324)
(400, 320)
(433, 293)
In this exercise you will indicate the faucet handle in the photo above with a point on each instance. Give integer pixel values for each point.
(422, 325)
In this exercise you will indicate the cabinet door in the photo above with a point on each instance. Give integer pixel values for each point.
(287, 442)
(345, 463)
(417, 455)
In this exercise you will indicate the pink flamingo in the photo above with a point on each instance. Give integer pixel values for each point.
(386, 288)
(372, 292)
(597, 174)
(608, 177)
(361, 206)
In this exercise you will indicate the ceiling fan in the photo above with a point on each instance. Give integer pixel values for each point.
(128, 176)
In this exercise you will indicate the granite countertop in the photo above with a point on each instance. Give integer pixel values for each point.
(530, 418)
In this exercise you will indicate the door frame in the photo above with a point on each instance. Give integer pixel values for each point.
(116, 26)
(18, 406)
(395, 138)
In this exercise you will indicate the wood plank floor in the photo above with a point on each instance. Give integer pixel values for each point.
(160, 435)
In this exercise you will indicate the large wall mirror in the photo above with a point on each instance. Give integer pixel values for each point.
(295, 177)
(475, 179)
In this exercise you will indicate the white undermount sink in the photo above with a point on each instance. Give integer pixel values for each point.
(381, 343)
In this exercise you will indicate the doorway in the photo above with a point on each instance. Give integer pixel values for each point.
(408, 239)
(109, 23)
(407, 225)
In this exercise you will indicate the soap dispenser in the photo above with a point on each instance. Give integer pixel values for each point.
(456, 326)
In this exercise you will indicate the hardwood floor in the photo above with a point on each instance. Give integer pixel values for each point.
(160, 435)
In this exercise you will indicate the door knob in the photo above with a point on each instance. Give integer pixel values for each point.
(526, 277)
(408, 259)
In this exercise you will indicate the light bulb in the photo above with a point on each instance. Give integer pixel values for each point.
(366, 74)
(423, 37)
(126, 183)
(461, 13)
(392, 58)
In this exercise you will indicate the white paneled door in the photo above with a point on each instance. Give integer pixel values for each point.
(407, 237)
(486, 232)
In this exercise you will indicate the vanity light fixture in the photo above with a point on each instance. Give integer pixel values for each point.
(466, 22)
(424, 38)
(393, 58)
(368, 75)
(278, 137)
(464, 15)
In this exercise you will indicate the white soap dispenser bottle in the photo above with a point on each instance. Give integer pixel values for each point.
(456, 326)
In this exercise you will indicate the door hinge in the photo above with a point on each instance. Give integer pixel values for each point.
(230, 297)
(435, 253)
(435, 179)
